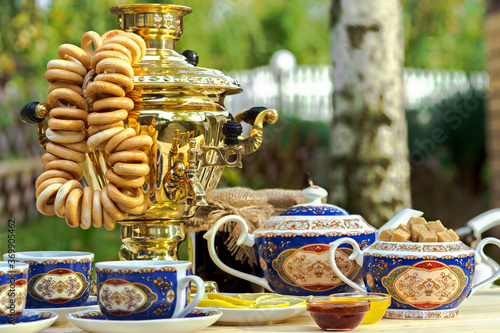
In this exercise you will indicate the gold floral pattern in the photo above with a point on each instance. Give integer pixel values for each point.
(338, 223)
(257, 234)
(14, 271)
(309, 268)
(89, 314)
(416, 247)
(204, 312)
(409, 314)
(59, 285)
(429, 257)
(18, 298)
(132, 271)
(121, 297)
(55, 261)
(426, 284)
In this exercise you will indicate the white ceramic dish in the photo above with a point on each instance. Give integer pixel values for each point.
(91, 304)
(94, 321)
(264, 316)
(30, 321)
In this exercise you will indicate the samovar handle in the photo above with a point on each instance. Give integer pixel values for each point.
(37, 113)
(258, 117)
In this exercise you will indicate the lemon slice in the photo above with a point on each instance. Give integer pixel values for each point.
(272, 304)
(253, 296)
(293, 300)
(217, 303)
(229, 299)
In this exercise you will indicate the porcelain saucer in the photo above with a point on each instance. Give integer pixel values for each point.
(94, 321)
(91, 304)
(30, 321)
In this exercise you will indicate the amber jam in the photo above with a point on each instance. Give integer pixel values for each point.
(379, 303)
(337, 315)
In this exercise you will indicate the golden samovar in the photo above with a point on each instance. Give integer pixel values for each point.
(181, 107)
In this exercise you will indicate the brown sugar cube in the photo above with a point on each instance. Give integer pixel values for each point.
(427, 236)
(453, 235)
(400, 236)
(416, 230)
(444, 237)
(404, 228)
(436, 226)
(415, 221)
(385, 235)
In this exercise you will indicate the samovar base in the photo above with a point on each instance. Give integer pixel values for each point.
(151, 239)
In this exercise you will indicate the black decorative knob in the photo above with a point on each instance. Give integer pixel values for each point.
(232, 130)
(28, 113)
(191, 57)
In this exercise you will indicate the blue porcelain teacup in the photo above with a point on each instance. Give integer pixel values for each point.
(57, 278)
(141, 290)
(13, 289)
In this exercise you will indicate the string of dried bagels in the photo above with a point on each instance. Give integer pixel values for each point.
(76, 127)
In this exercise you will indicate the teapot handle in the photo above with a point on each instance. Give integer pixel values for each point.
(480, 256)
(357, 255)
(244, 239)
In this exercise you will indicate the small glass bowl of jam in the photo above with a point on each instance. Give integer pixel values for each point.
(379, 303)
(343, 314)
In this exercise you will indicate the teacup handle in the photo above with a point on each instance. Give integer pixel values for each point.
(244, 239)
(357, 255)
(480, 256)
(181, 287)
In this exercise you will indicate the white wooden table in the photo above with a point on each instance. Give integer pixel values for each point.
(478, 313)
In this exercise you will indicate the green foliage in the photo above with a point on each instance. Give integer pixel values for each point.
(287, 154)
(50, 233)
(444, 34)
(227, 34)
(453, 133)
(242, 34)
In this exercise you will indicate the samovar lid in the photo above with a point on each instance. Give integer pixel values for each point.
(161, 26)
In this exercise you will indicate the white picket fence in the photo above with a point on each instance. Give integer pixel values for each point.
(306, 91)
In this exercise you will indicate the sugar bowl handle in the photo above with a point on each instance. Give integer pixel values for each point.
(244, 239)
(357, 255)
(480, 256)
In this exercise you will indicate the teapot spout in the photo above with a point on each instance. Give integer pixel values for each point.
(401, 217)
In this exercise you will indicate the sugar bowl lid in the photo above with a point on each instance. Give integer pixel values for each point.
(313, 194)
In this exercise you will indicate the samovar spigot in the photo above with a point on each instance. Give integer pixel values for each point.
(196, 195)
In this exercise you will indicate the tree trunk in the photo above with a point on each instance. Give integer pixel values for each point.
(369, 166)
(492, 28)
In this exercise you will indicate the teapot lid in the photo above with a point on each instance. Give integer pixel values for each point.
(313, 194)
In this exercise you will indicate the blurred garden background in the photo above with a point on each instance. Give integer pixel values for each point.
(445, 69)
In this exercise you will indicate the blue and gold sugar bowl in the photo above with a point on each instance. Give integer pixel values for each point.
(292, 248)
